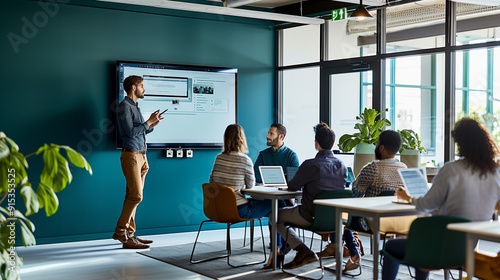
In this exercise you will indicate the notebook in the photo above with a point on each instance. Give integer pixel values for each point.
(272, 176)
(414, 180)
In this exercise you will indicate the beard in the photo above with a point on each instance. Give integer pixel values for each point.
(378, 155)
(272, 142)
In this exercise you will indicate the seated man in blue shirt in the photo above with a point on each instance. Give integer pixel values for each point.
(323, 173)
(277, 153)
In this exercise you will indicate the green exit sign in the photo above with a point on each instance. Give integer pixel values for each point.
(339, 14)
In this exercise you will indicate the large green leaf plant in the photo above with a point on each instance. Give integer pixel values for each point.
(369, 129)
(55, 175)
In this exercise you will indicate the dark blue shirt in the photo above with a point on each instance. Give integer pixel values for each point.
(322, 173)
(131, 125)
(284, 156)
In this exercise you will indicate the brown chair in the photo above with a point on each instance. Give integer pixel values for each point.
(219, 205)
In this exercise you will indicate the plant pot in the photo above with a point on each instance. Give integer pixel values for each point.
(411, 158)
(363, 154)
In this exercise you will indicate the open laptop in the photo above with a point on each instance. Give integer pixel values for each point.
(272, 176)
(290, 172)
(350, 176)
(414, 180)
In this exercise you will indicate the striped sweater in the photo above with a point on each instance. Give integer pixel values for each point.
(234, 170)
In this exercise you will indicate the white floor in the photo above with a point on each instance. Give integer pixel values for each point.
(105, 259)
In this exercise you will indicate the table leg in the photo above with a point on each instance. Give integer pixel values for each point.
(376, 241)
(338, 243)
(471, 242)
(273, 217)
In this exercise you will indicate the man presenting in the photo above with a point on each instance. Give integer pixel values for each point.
(133, 130)
(277, 154)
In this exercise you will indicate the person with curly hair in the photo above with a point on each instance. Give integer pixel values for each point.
(468, 187)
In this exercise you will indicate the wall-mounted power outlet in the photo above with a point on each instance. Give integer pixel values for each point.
(189, 153)
(179, 153)
(170, 153)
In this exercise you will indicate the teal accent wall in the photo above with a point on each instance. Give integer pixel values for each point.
(58, 83)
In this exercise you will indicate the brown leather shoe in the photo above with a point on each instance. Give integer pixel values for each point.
(329, 251)
(144, 241)
(120, 237)
(301, 259)
(134, 244)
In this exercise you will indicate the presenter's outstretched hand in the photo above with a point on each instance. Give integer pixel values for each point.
(154, 119)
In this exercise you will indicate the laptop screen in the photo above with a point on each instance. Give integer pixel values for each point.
(414, 180)
(272, 175)
(291, 170)
(350, 175)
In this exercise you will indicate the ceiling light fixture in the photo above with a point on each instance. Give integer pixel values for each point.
(360, 13)
(226, 11)
(237, 3)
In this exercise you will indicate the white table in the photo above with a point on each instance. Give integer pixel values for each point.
(474, 231)
(260, 192)
(369, 207)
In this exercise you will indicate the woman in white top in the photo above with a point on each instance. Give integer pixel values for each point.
(468, 187)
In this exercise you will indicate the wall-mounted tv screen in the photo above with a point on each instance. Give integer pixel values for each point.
(201, 102)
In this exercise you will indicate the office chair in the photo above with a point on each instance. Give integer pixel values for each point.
(430, 245)
(323, 224)
(219, 205)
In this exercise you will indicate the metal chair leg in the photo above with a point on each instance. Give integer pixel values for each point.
(228, 244)
(194, 247)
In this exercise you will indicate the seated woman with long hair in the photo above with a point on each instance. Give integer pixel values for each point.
(468, 187)
(234, 168)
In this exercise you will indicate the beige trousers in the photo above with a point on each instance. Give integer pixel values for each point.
(134, 167)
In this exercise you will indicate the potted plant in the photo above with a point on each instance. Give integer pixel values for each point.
(411, 148)
(54, 177)
(365, 140)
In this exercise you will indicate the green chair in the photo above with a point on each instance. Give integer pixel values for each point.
(323, 224)
(431, 246)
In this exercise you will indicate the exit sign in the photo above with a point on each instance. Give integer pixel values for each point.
(339, 14)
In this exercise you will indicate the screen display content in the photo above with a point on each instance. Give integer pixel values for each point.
(201, 102)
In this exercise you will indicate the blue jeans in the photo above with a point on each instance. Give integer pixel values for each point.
(396, 247)
(257, 209)
(350, 242)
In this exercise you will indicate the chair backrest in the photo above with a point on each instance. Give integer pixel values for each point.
(219, 203)
(324, 216)
(431, 245)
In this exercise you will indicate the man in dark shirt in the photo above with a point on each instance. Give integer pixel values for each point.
(322, 173)
(277, 154)
(133, 130)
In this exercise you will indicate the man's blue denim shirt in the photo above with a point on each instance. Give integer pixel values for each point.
(131, 124)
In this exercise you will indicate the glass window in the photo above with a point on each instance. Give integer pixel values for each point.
(342, 43)
(414, 26)
(478, 91)
(301, 45)
(477, 23)
(350, 93)
(301, 109)
(415, 99)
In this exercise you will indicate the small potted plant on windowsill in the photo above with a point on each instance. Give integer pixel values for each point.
(411, 148)
(365, 140)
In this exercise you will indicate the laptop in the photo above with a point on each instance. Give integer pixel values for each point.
(272, 176)
(290, 172)
(414, 180)
(350, 176)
